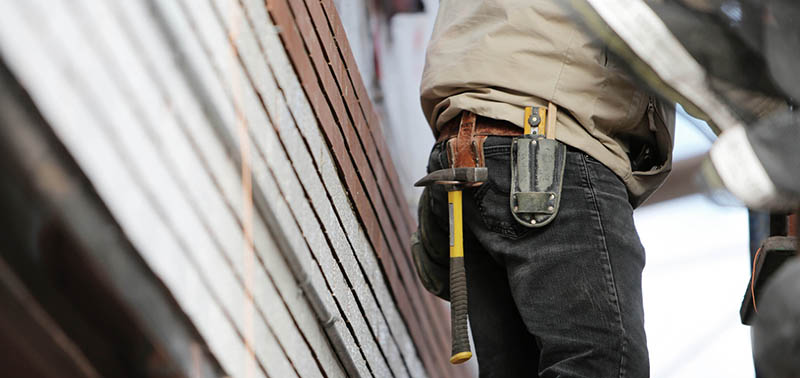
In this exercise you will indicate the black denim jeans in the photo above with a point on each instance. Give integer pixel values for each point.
(564, 300)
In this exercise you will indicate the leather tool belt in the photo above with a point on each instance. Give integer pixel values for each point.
(466, 134)
(483, 127)
(537, 159)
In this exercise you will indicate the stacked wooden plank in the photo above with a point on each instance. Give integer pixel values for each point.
(315, 39)
(255, 183)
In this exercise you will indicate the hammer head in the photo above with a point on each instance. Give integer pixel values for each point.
(455, 176)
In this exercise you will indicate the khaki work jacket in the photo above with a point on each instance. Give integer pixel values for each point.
(495, 57)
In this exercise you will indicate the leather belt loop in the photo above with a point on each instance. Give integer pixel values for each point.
(463, 151)
(483, 126)
(465, 135)
(451, 151)
(465, 147)
(477, 144)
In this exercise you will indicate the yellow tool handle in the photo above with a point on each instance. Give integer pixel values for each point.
(537, 119)
(458, 282)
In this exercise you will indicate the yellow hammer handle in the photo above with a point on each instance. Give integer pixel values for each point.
(458, 282)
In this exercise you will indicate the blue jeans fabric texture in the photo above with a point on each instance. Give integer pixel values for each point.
(564, 300)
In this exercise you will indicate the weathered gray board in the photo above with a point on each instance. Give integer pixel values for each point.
(189, 121)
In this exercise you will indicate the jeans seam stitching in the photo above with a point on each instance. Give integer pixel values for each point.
(496, 150)
(610, 273)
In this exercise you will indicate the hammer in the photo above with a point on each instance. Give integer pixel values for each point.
(454, 180)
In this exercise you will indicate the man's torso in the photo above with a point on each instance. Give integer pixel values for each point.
(494, 57)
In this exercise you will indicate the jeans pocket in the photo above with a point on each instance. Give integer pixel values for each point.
(492, 199)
